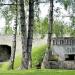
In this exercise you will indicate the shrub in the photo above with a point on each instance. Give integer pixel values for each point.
(37, 55)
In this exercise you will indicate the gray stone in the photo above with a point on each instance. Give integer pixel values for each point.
(62, 65)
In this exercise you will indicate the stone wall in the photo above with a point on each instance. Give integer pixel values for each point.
(63, 46)
(62, 65)
(7, 40)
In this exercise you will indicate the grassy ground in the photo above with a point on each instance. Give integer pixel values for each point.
(38, 72)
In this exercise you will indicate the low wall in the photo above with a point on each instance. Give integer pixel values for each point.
(62, 65)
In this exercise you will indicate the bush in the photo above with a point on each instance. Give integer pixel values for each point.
(37, 55)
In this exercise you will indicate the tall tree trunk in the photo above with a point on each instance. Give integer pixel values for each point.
(23, 36)
(30, 30)
(13, 50)
(48, 54)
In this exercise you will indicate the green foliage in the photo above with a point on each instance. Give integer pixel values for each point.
(72, 33)
(38, 54)
(69, 30)
(8, 13)
(73, 22)
(66, 3)
(41, 27)
(8, 30)
(58, 28)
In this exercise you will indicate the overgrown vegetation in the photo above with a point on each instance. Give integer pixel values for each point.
(37, 57)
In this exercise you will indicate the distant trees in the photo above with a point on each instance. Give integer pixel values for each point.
(58, 28)
(7, 30)
(41, 27)
(66, 3)
(7, 12)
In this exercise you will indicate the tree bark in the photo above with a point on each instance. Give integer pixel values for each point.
(48, 53)
(30, 30)
(13, 49)
(25, 60)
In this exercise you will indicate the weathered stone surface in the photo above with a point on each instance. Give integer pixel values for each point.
(62, 64)
(63, 46)
(56, 64)
(69, 64)
(7, 40)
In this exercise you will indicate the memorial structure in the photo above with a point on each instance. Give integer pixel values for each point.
(64, 47)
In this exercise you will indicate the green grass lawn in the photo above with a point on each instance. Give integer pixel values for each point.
(39, 72)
